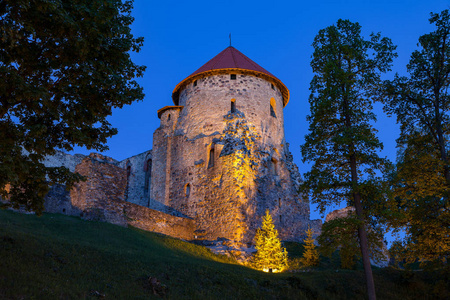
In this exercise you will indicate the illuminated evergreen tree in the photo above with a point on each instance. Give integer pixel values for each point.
(310, 255)
(270, 255)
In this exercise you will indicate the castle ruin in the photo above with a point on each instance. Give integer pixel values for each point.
(219, 160)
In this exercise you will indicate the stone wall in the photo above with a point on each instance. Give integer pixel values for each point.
(138, 169)
(227, 198)
(105, 182)
(206, 103)
(61, 159)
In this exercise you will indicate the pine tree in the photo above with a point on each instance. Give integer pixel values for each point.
(270, 255)
(310, 255)
(342, 141)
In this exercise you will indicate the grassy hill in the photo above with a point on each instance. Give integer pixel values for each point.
(61, 257)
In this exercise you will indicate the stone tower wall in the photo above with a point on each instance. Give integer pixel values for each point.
(206, 103)
(162, 159)
(252, 170)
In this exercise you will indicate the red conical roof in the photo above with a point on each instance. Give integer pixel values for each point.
(231, 60)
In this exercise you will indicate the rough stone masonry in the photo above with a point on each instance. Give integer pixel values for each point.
(219, 160)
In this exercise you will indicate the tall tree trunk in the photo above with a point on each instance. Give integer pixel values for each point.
(363, 242)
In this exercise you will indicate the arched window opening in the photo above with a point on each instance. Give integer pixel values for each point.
(273, 110)
(273, 166)
(148, 179)
(211, 157)
(127, 192)
(187, 189)
(233, 105)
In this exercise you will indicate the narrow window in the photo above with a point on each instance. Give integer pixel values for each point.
(233, 76)
(279, 202)
(273, 166)
(211, 157)
(273, 111)
(168, 117)
(187, 189)
(195, 83)
(233, 105)
(273, 87)
(281, 218)
(148, 178)
(128, 182)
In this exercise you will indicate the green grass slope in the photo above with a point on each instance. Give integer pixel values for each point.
(61, 257)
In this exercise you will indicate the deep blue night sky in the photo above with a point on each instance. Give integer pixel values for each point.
(180, 36)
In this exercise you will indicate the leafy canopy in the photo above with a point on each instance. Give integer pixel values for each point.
(270, 255)
(64, 65)
(421, 180)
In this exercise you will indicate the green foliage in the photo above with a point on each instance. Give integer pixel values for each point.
(342, 234)
(341, 142)
(270, 255)
(347, 73)
(64, 65)
(310, 256)
(421, 180)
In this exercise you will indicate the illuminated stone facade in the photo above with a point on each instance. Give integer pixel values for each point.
(219, 160)
(220, 156)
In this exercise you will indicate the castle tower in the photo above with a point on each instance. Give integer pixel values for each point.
(220, 155)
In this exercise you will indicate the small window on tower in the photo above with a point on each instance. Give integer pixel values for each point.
(195, 83)
(273, 87)
(168, 117)
(187, 189)
(273, 110)
(211, 157)
(233, 105)
(233, 76)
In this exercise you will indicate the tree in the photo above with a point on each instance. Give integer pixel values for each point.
(270, 255)
(341, 143)
(310, 256)
(342, 233)
(421, 181)
(64, 65)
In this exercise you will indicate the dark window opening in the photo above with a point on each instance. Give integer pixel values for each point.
(64, 210)
(148, 178)
(168, 117)
(273, 167)
(273, 87)
(279, 202)
(128, 182)
(195, 83)
(187, 190)
(233, 76)
(281, 218)
(272, 112)
(233, 106)
(211, 158)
